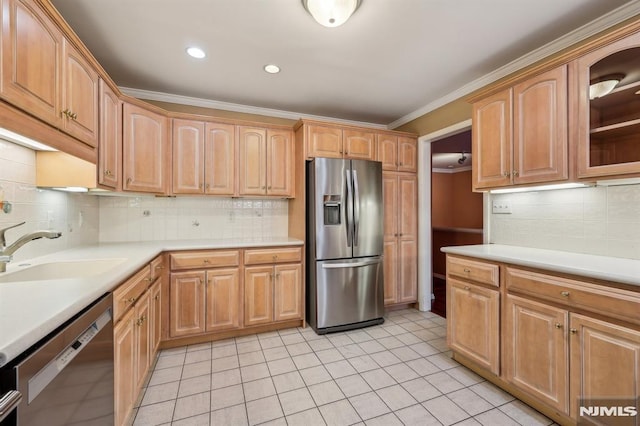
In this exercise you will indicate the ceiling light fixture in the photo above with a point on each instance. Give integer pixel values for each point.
(196, 52)
(331, 13)
(604, 85)
(272, 69)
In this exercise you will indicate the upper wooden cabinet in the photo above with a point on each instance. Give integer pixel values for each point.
(520, 134)
(265, 161)
(110, 141)
(397, 153)
(333, 141)
(203, 158)
(44, 75)
(145, 152)
(608, 124)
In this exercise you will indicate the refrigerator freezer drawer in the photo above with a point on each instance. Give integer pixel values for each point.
(349, 291)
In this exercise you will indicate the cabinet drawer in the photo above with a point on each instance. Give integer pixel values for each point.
(205, 259)
(481, 272)
(279, 255)
(126, 295)
(610, 301)
(157, 265)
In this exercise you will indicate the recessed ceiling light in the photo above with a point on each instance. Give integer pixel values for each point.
(196, 52)
(272, 69)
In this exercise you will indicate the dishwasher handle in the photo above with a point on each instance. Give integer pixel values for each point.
(9, 402)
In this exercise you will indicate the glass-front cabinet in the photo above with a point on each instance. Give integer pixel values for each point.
(608, 107)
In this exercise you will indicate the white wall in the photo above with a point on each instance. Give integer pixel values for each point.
(162, 218)
(594, 220)
(37, 206)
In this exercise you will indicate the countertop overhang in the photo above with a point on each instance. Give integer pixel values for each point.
(615, 269)
(30, 310)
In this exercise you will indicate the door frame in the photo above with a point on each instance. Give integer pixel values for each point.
(425, 265)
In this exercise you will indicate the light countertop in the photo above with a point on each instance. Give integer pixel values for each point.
(625, 271)
(29, 310)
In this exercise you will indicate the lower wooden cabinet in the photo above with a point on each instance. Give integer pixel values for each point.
(222, 299)
(272, 293)
(187, 303)
(124, 372)
(473, 322)
(536, 350)
(155, 315)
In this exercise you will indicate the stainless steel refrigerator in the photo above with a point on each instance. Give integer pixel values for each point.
(345, 287)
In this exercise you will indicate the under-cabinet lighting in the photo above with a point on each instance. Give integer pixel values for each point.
(72, 189)
(540, 188)
(24, 141)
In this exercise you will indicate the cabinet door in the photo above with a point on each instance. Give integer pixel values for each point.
(258, 295)
(408, 206)
(324, 141)
(407, 154)
(288, 292)
(223, 290)
(80, 97)
(188, 156)
(605, 363)
(143, 339)
(359, 145)
(124, 367)
(110, 142)
(31, 60)
(473, 323)
(187, 301)
(253, 161)
(388, 151)
(536, 350)
(280, 166)
(540, 140)
(491, 141)
(408, 270)
(390, 205)
(390, 271)
(220, 159)
(145, 153)
(155, 316)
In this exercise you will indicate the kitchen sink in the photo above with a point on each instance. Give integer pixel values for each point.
(61, 270)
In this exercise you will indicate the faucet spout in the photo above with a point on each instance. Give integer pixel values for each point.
(6, 252)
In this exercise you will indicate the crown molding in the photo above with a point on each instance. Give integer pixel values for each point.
(227, 106)
(608, 20)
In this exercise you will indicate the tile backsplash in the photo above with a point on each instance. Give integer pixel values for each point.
(164, 218)
(594, 220)
(75, 215)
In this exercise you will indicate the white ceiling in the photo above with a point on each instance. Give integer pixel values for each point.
(392, 58)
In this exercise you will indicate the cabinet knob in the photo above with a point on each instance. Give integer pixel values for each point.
(207, 186)
(149, 279)
(515, 173)
(573, 331)
(467, 270)
(564, 293)
(264, 187)
(269, 187)
(130, 300)
(506, 174)
(129, 180)
(200, 186)
(558, 325)
(156, 297)
(206, 261)
(108, 173)
(466, 287)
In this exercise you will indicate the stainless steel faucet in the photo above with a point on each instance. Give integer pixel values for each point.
(6, 252)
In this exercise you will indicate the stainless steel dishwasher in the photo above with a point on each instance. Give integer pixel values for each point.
(67, 379)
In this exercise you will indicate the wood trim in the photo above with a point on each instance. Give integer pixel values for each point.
(306, 122)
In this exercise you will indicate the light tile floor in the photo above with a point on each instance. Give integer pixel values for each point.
(397, 373)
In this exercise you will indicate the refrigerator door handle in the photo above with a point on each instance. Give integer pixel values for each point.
(356, 209)
(351, 265)
(349, 210)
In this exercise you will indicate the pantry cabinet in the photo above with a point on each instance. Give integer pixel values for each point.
(110, 140)
(400, 201)
(397, 153)
(203, 157)
(145, 153)
(265, 161)
(520, 134)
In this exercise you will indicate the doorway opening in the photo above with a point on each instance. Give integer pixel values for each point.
(456, 211)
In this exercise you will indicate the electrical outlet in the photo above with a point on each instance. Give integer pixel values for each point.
(501, 207)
